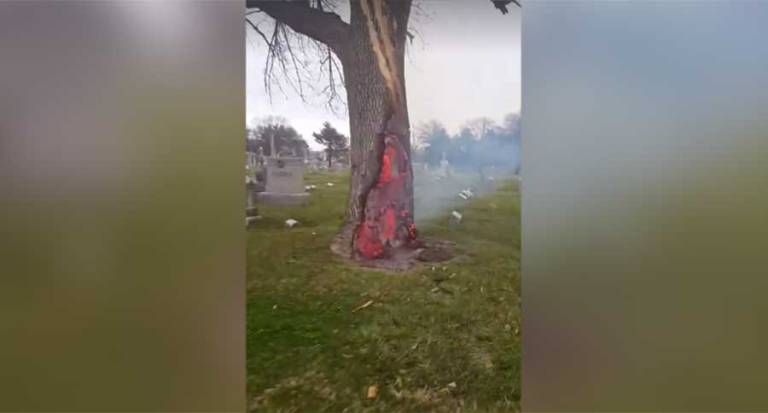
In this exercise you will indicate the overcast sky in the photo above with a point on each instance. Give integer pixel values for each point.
(463, 64)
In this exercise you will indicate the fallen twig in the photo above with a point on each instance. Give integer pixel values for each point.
(367, 304)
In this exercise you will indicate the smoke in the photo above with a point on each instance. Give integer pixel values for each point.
(481, 156)
(438, 191)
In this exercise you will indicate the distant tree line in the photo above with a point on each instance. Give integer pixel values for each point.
(479, 144)
(288, 141)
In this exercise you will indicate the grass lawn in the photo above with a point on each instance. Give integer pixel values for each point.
(442, 338)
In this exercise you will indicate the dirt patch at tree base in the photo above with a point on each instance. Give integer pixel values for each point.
(437, 251)
(427, 251)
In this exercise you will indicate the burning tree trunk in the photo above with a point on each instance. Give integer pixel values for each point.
(380, 205)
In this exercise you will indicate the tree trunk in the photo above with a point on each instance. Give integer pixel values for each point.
(373, 113)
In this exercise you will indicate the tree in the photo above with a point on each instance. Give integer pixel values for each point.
(500, 146)
(371, 51)
(461, 149)
(511, 126)
(334, 142)
(479, 127)
(513, 132)
(436, 142)
(286, 140)
(425, 132)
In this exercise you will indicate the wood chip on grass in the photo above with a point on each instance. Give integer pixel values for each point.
(367, 304)
(373, 391)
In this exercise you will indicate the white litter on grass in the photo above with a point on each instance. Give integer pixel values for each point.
(330, 184)
(463, 196)
(290, 222)
(310, 188)
(456, 215)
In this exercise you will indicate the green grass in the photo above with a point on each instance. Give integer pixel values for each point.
(427, 349)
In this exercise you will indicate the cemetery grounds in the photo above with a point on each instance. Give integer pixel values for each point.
(327, 336)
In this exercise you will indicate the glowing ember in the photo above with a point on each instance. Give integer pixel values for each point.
(387, 223)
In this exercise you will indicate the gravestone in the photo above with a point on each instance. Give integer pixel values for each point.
(251, 212)
(250, 192)
(285, 182)
(445, 168)
(251, 160)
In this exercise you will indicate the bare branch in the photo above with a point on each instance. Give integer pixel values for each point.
(270, 57)
(288, 50)
(331, 90)
(502, 5)
(282, 56)
(325, 27)
(295, 64)
(263, 36)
